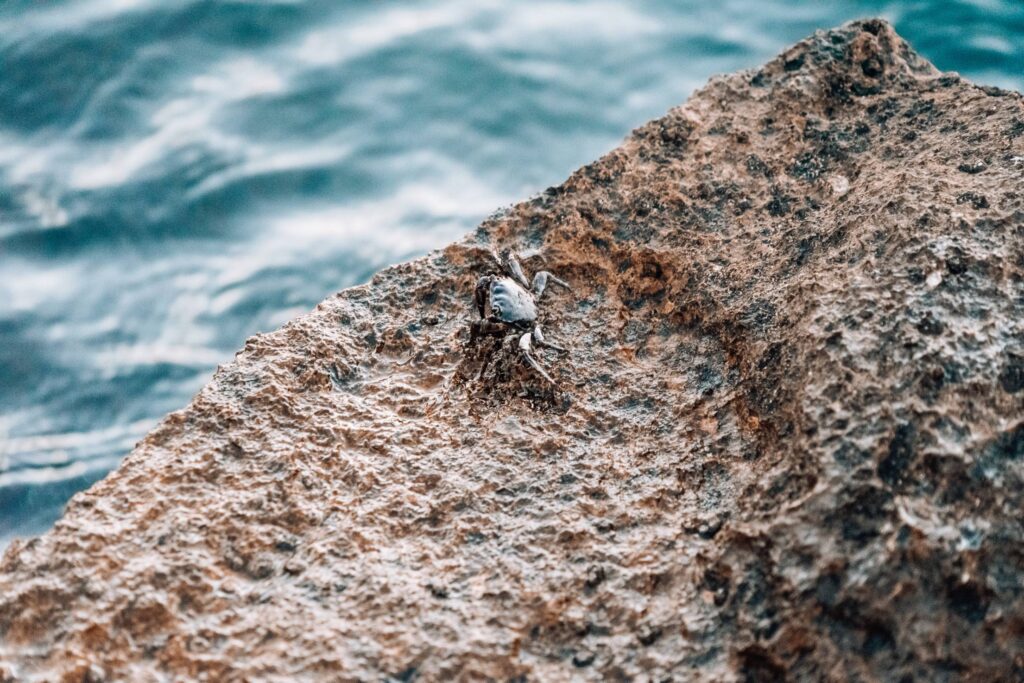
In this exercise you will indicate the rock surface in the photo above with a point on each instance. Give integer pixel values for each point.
(788, 440)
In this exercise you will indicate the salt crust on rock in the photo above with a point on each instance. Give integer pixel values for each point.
(788, 439)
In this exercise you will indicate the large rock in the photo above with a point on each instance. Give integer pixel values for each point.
(788, 439)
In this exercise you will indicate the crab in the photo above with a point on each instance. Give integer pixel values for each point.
(507, 303)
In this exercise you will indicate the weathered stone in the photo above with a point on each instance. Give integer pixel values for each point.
(787, 440)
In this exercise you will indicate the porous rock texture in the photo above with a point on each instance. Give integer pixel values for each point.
(787, 441)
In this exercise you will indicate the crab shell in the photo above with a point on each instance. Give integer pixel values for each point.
(511, 303)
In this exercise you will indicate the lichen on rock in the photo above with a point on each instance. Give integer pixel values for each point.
(788, 440)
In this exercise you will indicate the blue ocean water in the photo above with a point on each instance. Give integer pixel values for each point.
(178, 175)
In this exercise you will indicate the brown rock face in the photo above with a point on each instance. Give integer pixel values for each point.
(788, 440)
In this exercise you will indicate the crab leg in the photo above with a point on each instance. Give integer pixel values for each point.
(516, 269)
(539, 340)
(524, 348)
(488, 327)
(511, 266)
(541, 279)
(487, 361)
(482, 293)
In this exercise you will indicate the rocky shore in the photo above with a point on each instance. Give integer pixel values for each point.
(787, 442)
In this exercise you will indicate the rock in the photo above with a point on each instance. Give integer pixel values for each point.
(790, 431)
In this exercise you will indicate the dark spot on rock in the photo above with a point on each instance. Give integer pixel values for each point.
(837, 237)
(873, 26)
(956, 261)
(862, 90)
(1017, 129)
(284, 547)
(756, 665)
(877, 638)
(860, 519)
(977, 201)
(1009, 445)
(709, 379)
(809, 166)
(882, 111)
(931, 382)
(994, 91)
(804, 248)
(406, 675)
(716, 579)
(794, 63)
(849, 456)
(954, 371)
(438, 591)
(985, 224)
(851, 627)
(779, 204)
(827, 588)
(583, 658)
(1011, 377)
(709, 530)
(634, 232)
(643, 205)
(893, 467)
(653, 270)
(872, 67)
(674, 133)
(758, 315)
(648, 635)
(972, 167)
(757, 167)
(595, 577)
(930, 325)
(967, 599)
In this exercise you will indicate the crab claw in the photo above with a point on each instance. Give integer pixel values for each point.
(559, 282)
(525, 346)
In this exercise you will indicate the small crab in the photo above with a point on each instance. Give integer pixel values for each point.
(512, 302)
